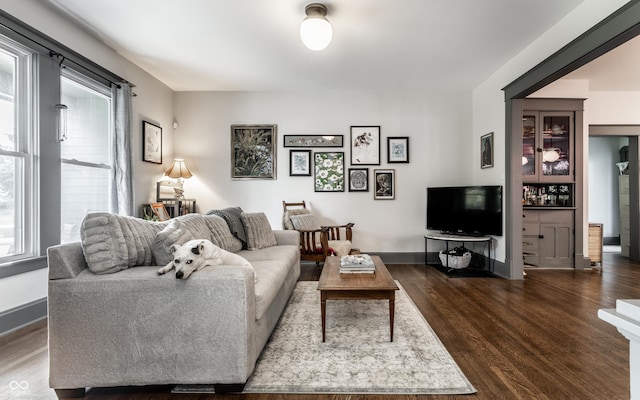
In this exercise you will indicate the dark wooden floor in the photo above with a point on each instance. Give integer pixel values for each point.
(534, 339)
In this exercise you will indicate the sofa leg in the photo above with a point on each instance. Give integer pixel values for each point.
(228, 387)
(70, 393)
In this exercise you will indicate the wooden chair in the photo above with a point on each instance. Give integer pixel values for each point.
(317, 243)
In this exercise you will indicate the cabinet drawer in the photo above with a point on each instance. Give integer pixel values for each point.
(530, 245)
(530, 229)
(531, 259)
(557, 216)
(530, 215)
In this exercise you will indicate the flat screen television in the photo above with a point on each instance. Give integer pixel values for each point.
(465, 210)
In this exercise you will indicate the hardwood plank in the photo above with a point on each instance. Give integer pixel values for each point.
(534, 339)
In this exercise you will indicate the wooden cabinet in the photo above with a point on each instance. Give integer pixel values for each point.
(547, 238)
(595, 243)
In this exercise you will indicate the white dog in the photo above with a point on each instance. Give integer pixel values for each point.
(199, 253)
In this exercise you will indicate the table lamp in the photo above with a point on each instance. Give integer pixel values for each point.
(179, 171)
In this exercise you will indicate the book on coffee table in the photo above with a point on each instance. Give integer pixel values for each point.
(357, 264)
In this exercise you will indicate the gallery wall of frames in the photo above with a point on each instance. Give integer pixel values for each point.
(253, 156)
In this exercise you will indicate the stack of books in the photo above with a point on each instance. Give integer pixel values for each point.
(357, 264)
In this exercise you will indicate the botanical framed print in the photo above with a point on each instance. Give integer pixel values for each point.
(313, 140)
(329, 171)
(151, 143)
(365, 145)
(486, 150)
(384, 180)
(253, 152)
(300, 163)
(358, 179)
(398, 149)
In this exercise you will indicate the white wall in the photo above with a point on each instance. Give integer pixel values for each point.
(154, 102)
(437, 125)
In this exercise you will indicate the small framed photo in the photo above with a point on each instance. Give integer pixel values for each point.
(329, 171)
(327, 140)
(398, 149)
(358, 179)
(384, 180)
(151, 143)
(486, 150)
(300, 163)
(160, 211)
(253, 151)
(365, 145)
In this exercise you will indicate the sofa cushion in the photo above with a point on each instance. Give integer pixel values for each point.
(259, 232)
(286, 217)
(193, 226)
(111, 242)
(232, 215)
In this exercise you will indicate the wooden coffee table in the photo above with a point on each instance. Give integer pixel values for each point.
(336, 286)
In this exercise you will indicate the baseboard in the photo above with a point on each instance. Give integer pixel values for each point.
(16, 318)
(400, 258)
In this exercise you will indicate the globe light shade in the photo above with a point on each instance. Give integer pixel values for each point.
(315, 29)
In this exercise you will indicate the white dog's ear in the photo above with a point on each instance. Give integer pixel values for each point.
(174, 248)
(199, 249)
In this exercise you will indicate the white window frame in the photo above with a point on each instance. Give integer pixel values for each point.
(102, 90)
(25, 111)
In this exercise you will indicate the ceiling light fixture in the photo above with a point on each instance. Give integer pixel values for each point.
(315, 29)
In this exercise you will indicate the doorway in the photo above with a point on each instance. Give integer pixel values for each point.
(616, 29)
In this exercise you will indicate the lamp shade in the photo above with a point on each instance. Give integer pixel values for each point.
(178, 169)
(315, 29)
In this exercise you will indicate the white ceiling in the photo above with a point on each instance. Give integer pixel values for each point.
(377, 44)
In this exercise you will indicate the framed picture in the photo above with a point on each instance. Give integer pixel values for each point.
(151, 143)
(398, 149)
(329, 171)
(253, 152)
(160, 211)
(486, 150)
(358, 179)
(313, 140)
(299, 162)
(365, 145)
(384, 180)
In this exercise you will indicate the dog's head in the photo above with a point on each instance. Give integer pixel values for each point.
(188, 258)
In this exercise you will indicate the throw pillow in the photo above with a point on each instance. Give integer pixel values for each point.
(111, 242)
(232, 216)
(259, 232)
(305, 222)
(286, 217)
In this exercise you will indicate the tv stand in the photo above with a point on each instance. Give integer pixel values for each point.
(451, 237)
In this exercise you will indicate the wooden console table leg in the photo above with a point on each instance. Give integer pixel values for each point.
(323, 310)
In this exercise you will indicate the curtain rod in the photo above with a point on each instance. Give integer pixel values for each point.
(57, 49)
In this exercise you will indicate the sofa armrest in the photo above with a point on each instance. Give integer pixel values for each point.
(65, 260)
(287, 237)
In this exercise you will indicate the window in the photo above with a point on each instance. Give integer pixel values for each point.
(18, 176)
(86, 154)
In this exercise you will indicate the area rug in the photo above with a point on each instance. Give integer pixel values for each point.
(357, 356)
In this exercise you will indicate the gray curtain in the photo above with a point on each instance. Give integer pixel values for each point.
(122, 191)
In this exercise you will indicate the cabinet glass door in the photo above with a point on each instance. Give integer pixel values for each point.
(556, 145)
(528, 145)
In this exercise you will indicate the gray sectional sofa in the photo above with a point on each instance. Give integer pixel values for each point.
(113, 321)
